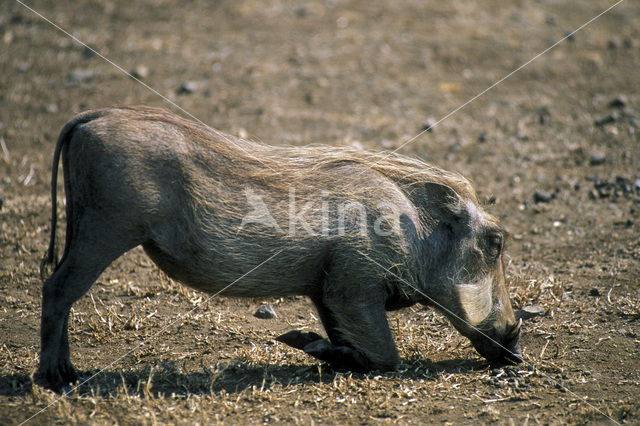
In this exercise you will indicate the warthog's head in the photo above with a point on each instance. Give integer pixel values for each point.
(466, 280)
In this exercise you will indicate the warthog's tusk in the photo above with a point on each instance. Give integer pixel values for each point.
(515, 330)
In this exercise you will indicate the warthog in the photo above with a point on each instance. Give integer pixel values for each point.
(368, 233)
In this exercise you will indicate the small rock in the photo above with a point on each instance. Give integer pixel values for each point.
(140, 72)
(542, 197)
(51, 108)
(428, 125)
(607, 119)
(23, 66)
(594, 292)
(88, 52)
(308, 98)
(187, 88)
(300, 11)
(7, 37)
(597, 159)
(544, 115)
(265, 312)
(619, 101)
(79, 76)
(528, 312)
(624, 185)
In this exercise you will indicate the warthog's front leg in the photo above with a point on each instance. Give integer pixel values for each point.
(355, 320)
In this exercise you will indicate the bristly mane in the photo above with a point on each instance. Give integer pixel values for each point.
(263, 161)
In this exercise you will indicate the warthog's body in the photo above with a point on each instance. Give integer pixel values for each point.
(212, 210)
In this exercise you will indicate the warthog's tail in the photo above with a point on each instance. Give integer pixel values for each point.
(50, 261)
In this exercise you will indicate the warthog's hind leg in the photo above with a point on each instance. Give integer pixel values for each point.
(91, 248)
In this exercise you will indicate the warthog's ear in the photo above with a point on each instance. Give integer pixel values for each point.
(444, 204)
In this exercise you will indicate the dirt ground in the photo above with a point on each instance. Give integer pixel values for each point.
(554, 149)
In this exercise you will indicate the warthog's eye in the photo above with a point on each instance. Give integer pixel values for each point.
(494, 243)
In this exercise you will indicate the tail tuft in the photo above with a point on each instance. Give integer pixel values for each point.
(48, 264)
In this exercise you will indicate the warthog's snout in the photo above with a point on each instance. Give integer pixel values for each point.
(496, 350)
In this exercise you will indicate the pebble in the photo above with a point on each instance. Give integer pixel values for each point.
(7, 38)
(51, 108)
(308, 98)
(187, 88)
(88, 52)
(265, 312)
(79, 76)
(300, 11)
(621, 186)
(428, 125)
(624, 185)
(140, 72)
(619, 101)
(528, 312)
(23, 66)
(542, 197)
(597, 159)
(544, 115)
(607, 119)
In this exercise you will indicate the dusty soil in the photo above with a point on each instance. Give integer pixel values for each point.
(559, 162)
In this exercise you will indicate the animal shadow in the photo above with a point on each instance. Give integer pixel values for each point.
(166, 379)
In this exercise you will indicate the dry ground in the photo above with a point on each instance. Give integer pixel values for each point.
(342, 72)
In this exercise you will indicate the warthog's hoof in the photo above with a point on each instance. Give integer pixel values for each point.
(338, 357)
(57, 377)
(299, 339)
